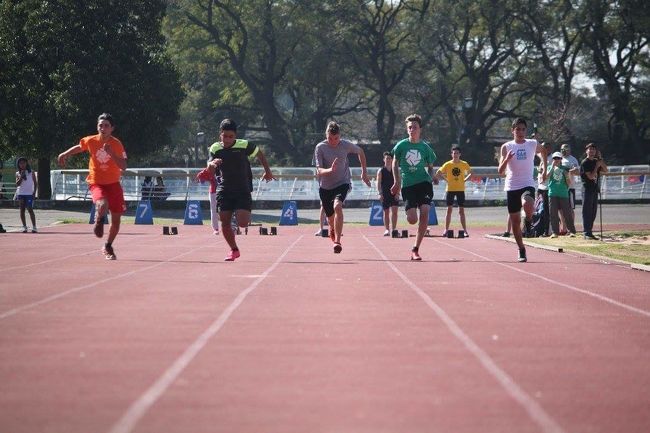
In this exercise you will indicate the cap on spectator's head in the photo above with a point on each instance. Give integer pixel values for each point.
(556, 155)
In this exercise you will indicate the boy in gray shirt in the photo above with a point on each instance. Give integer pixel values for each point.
(334, 177)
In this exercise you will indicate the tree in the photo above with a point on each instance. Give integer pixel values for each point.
(382, 55)
(617, 40)
(479, 54)
(66, 62)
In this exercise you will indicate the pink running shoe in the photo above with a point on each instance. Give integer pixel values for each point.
(232, 256)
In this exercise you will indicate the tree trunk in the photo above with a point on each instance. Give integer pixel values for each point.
(43, 177)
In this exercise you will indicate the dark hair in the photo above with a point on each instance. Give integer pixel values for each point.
(333, 128)
(27, 166)
(414, 118)
(387, 153)
(591, 145)
(106, 116)
(518, 121)
(228, 125)
(456, 148)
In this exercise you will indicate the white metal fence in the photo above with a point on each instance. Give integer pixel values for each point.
(292, 183)
(621, 183)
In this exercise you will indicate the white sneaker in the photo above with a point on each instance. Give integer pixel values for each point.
(34, 230)
(24, 229)
(386, 232)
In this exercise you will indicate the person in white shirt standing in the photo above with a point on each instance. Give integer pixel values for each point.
(517, 163)
(26, 185)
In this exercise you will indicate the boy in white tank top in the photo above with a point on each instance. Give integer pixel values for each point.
(517, 163)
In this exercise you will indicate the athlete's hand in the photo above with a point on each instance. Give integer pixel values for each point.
(268, 176)
(364, 178)
(394, 189)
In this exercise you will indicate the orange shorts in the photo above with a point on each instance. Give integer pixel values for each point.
(112, 193)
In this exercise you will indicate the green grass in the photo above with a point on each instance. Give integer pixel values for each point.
(628, 246)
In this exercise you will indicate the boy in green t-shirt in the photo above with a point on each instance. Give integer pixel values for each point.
(413, 161)
(559, 182)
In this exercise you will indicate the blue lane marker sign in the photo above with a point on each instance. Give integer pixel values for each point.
(376, 214)
(144, 213)
(289, 215)
(193, 215)
(433, 218)
(92, 216)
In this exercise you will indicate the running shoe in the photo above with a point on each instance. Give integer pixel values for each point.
(415, 254)
(590, 236)
(506, 234)
(572, 235)
(34, 230)
(337, 248)
(232, 256)
(522, 255)
(108, 252)
(24, 229)
(553, 236)
(386, 232)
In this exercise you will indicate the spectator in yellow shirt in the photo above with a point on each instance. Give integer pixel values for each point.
(455, 172)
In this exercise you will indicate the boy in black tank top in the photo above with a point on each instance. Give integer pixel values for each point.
(389, 202)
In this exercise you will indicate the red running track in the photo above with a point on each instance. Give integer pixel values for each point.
(293, 338)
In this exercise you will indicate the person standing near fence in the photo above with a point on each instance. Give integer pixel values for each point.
(590, 170)
(518, 163)
(389, 202)
(26, 186)
(455, 172)
(413, 160)
(559, 183)
(107, 160)
(334, 177)
(229, 160)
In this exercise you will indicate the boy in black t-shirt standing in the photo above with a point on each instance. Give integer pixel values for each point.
(590, 169)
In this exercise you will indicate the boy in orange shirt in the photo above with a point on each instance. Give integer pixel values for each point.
(107, 160)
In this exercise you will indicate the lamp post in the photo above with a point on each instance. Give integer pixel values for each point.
(467, 105)
(198, 139)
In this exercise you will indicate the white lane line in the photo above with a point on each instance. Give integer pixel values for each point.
(140, 407)
(534, 410)
(555, 282)
(51, 298)
(56, 259)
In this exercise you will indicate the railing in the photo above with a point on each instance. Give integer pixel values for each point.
(621, 183)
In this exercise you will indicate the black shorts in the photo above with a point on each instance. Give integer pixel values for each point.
(514, 198)
(460, 198)
(227, 202)
(417, 195)
(328, 196)
(388, 200)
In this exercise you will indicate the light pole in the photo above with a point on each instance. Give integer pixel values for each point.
(198, 139)
(467, 105)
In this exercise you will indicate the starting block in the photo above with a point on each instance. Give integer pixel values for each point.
(265, 231)
(170, 230)
(324, 233)
(461, 234)
(405, 233)
(394, 234)
(450, 234)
